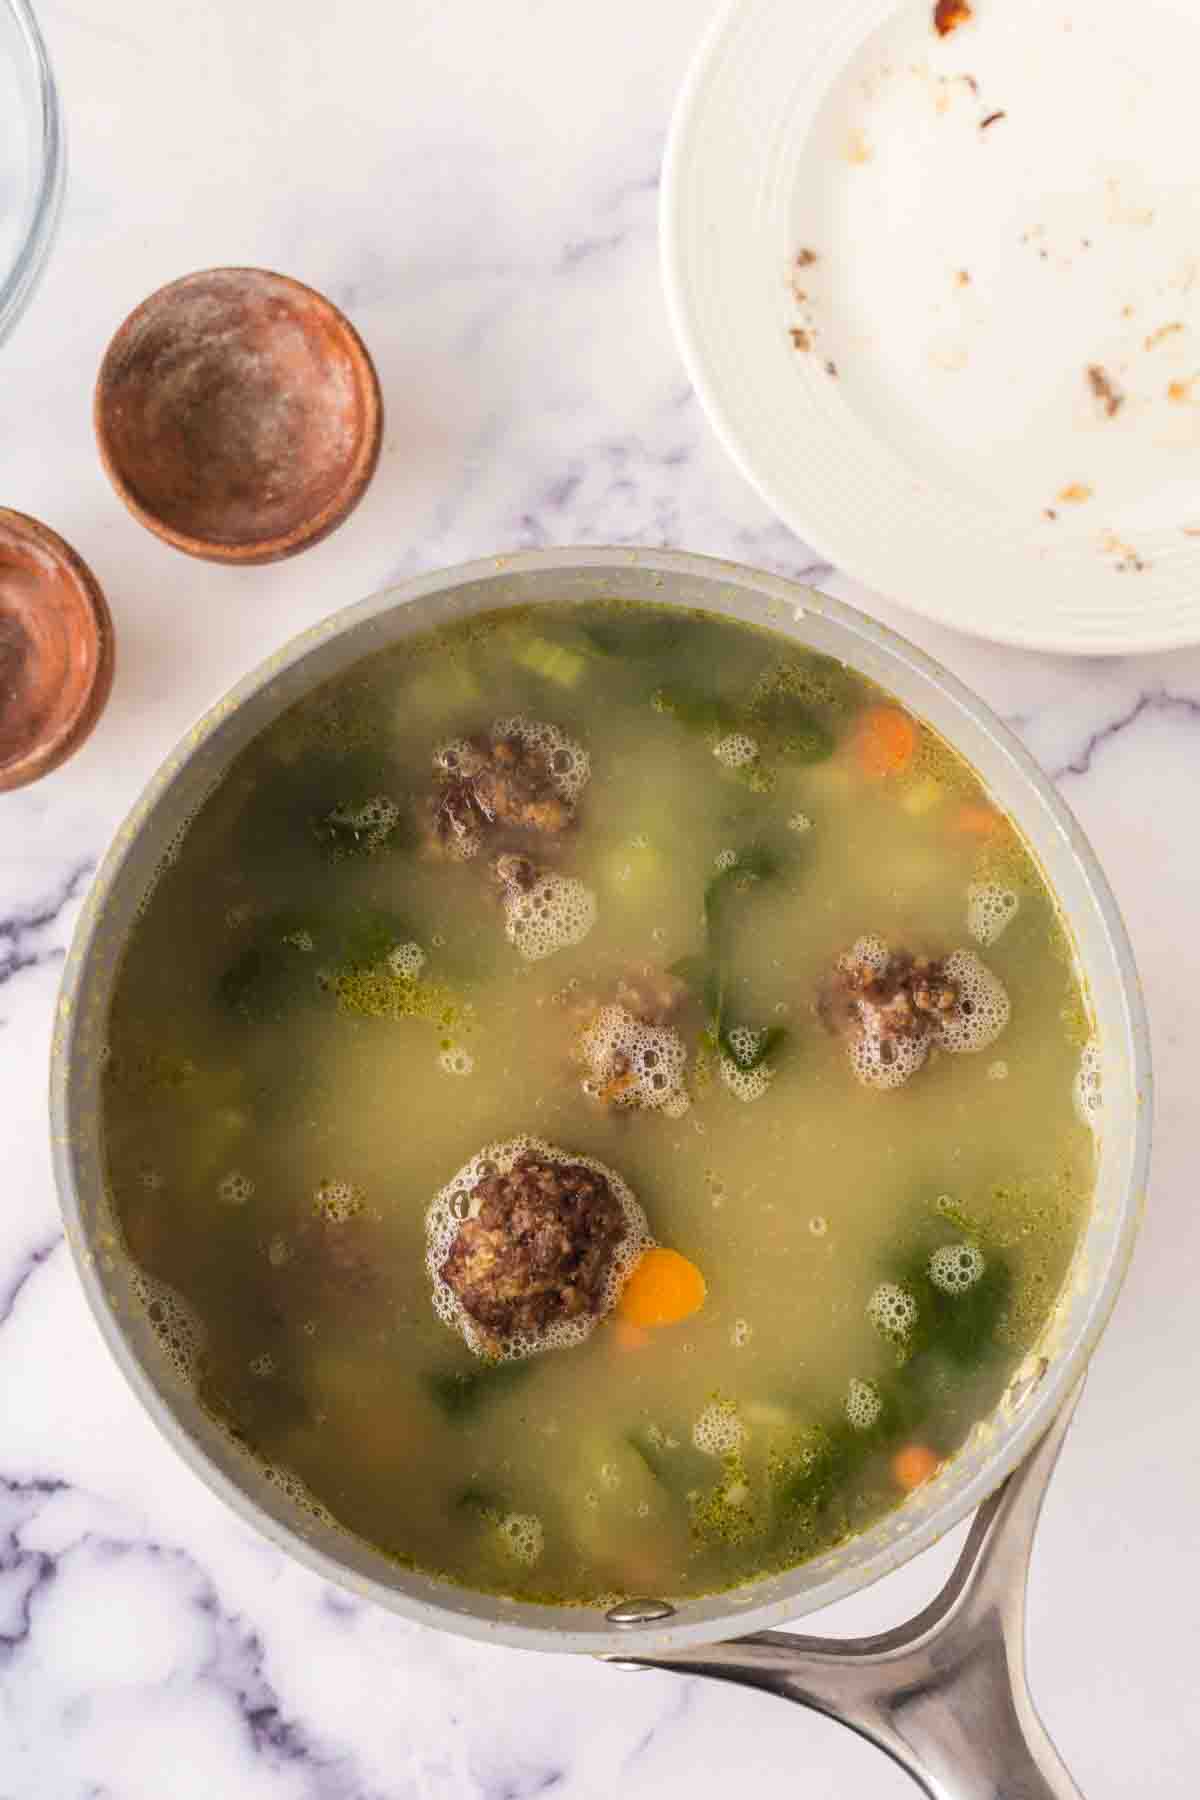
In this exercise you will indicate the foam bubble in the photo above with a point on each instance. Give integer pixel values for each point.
(725, 859)
(337, 1201)
(991, 909)
(279, 1251)
(864, 1403)
(869, 952)
(718, 1431)
(998, 1070)
(406, 961)
(299, 940)
(263, 1366)
(746, 1084)
(375, 819)
(1089, 1084)
(956, 1267)
(630, 1063)
(152, 1179)
(454, 1060)
(892, 1311)
(568, 763)
(176, 1325)
(818, 1225)
(292, 1489)
(881, 1061)
(736, 750)
(453, 1203)
(556, 913)
(983, 1006)
(800, 822)
(234, 1189)
(741, 1334)
(522, 1536)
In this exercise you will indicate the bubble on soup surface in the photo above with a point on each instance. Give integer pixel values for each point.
(991, 909)
(882, 1061)
(997, 1071)
(718, 1431)
(235, 1188)
(522, 1536)
(453, 1203)
(800, 822)
(376, 819)
(818, 1225)
(736, 750)
(556, 913)
(454, 1060)
(151, 1179)
(1089, 1084)
(279, 1251)
(864, 1403)
(893, 1312)
(630, 1063)
(337, 1201)
(176, 1325)
(725, 859)
(869, 952)
(956, 1267)
(263, 1366)
(745, 1084)
(983, 1008)
(406, 961)
(741, 1334)
(569, 764)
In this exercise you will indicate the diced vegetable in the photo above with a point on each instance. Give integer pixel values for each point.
(977, 821)
(923, 798)
(885, 739)
(628, 1336)
(796, 733)
(913, 1466)
(663, 1289)
(553, 662)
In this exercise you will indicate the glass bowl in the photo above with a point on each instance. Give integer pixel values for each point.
(32, 159)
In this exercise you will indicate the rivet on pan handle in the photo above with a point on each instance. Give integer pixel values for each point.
(945, 1695)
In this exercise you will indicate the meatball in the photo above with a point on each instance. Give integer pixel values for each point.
(520, 781)
(898, 994)
(538, 1249)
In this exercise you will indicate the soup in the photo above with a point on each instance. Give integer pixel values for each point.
(597, 1096)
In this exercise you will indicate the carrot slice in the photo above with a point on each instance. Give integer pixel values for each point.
(977, 821)
(664, 1288)
(913, 1466)
(627, 1336)
(885, 740)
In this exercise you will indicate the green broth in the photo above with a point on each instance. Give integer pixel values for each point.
(281, 1107)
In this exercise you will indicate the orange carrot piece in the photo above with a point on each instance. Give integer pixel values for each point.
(976, 820)
(664, 1288)
(627, 1336)
(885, 740)
(913, 1466)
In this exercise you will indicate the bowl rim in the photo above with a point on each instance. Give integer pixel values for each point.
(738, 1614)
(44, 201)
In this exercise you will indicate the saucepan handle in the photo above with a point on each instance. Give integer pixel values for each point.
(946, 1694)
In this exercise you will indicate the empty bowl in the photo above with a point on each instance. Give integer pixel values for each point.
(32, 159)
(238, 415)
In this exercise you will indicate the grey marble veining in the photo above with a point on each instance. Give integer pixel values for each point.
(479, 188)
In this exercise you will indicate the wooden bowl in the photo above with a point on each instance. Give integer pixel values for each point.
(238, 415)
(56, 650)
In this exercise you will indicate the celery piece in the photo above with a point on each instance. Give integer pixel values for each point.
(553, 662)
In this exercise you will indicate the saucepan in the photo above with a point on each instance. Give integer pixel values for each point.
(945, 1694)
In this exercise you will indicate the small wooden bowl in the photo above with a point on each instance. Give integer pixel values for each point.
(238, 415)
(56, 650)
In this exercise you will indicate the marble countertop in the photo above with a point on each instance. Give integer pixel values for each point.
(478, 189)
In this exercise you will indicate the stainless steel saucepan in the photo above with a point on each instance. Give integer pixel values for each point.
(944, 1695)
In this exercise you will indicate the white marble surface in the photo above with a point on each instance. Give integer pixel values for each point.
(477, 186)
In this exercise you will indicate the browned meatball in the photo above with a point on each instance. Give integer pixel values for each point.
(902, 997)
(539, 1248)
(490, 787)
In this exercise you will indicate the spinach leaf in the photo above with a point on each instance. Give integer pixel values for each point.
(459, 1393)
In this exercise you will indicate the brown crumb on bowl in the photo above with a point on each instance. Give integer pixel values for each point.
(805, 259)
(963, 278)
(1126, 559)
(948, 15)
(1105, 389)
(1075, 493)
(1049, 512)
(831, 368)
(801, 340)
(993, 118)
(1180, 390)
(1164, 331)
